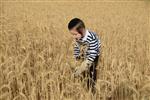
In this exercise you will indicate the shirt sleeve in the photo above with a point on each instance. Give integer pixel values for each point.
(76, 50)
(93, 49)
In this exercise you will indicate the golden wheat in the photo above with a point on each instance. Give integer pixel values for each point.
(36, 50)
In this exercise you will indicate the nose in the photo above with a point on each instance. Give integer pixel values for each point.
(74, 37)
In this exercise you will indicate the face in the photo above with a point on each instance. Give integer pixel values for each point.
(75, 34)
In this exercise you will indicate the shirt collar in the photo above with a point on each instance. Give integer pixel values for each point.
(86, 35)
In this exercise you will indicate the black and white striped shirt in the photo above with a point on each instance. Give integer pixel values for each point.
(92, 43)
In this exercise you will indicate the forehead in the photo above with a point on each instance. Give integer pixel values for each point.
(73, 31)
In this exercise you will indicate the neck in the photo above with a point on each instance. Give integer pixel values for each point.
(84, 32)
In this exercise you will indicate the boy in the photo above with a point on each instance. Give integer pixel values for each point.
(90, 53)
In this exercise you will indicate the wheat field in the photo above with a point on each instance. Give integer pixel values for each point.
(36, 49)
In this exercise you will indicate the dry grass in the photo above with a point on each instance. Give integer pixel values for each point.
(36, 57)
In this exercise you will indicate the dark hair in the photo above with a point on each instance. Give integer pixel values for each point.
(74, 22)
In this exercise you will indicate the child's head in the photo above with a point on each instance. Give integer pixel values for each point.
(76, 28)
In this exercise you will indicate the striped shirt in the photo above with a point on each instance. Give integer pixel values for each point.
(92, 44)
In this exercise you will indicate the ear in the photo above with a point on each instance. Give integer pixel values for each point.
(80, 30)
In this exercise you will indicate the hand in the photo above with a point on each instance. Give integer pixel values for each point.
(84, 67)
(77, 72)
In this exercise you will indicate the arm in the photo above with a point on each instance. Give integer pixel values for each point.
(93, 49)
(76, 50)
